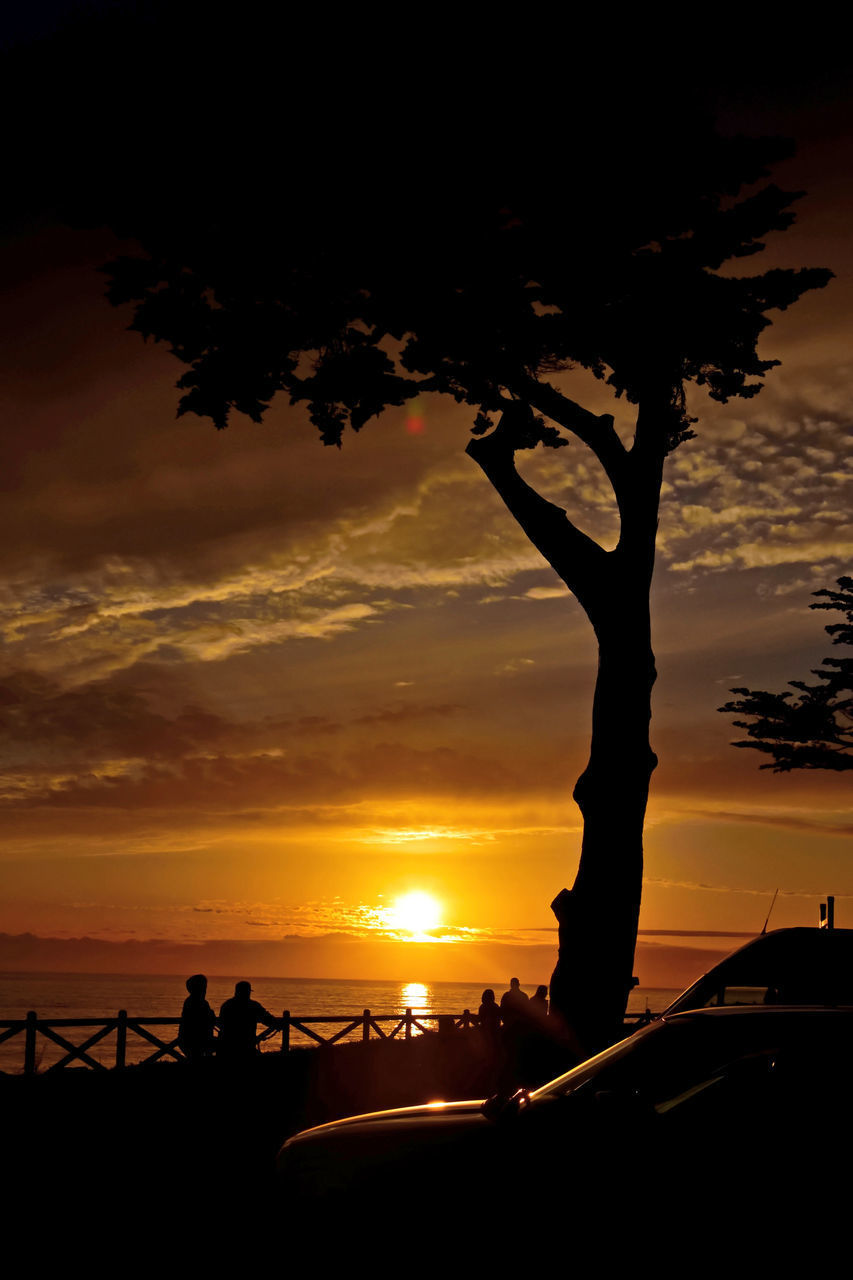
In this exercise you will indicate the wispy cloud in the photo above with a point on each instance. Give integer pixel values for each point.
(792, 820)
(766, 892)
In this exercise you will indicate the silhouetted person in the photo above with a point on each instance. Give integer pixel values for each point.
(490, 1017)
(195, 1034)
(535, 1041)
(539, 1003)
(514, 1015)
(513, 1005)
(238, 1025)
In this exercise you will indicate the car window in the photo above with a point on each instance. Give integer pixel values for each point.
(740, 995)
(735, 1083)
(795, 1092)
(673, 1065)
(813, 969)
(672, 1061)
(657, 1062)
(588, 1070)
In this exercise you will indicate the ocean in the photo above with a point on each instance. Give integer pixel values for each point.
(91, 995)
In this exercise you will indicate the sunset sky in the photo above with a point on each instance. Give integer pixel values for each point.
(253, 690)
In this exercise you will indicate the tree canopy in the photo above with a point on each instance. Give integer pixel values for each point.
(815, 729)
(483, 288)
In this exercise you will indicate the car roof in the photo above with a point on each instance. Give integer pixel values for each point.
(817, 961)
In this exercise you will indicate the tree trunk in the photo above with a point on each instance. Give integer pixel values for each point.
(598, 918)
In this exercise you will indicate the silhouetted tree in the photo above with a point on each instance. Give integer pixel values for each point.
(318, 221)
(814, 730)
(488, 299)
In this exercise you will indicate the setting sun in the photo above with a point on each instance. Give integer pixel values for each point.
(415, 912)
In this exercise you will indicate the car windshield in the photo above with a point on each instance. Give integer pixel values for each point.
(668, 1060)
(593, 1067)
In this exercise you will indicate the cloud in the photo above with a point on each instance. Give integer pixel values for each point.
(760, 555)
(792, 821)
(767, 892)
(513, 667)
(123, 611)
(696, 933)
(221, 547)
(329, 956)
(264, 781)
(407, 712)
(110, 744)
(546, 593)
(772, 501)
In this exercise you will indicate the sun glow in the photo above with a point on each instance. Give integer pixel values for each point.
(415, 913)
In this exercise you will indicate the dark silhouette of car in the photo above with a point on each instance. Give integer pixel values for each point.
(743, 1098)
(798, 966)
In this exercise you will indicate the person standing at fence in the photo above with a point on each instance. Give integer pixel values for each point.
(195, 1034)
(238, 1025)
(539, 1004)
(490, 1019)
(515, 1017)
(513, 1005)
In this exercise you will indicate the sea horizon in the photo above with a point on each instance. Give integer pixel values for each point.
(235, 977)
(95, 995)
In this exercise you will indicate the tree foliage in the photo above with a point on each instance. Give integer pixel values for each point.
(813, 730)
(482, 288)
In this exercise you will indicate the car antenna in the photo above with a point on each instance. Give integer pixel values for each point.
(772, 905)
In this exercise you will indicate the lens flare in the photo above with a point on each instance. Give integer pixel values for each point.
(415, 418)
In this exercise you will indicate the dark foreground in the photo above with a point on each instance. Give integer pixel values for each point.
(169, 1165)
(124, 1152)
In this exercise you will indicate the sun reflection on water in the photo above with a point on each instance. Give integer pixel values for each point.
(415, 995)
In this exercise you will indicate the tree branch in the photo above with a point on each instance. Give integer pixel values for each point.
(639, 499)
(576, 557)
(598, 433)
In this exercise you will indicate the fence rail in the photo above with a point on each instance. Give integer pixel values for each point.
(364, 1026)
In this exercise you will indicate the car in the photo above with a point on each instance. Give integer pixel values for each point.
(799, 966)
(742, 1097)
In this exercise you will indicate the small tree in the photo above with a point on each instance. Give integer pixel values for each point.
(814, 730)
(497, 279)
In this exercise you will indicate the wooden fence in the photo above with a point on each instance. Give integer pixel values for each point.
(363, 1026)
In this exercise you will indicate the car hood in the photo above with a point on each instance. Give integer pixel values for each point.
(382, 1144)
(430, 1116)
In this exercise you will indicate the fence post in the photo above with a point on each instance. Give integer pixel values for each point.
(121, 1038)
(365, 1031)
(408, 1024)
(285, 1031)
(30, 1044)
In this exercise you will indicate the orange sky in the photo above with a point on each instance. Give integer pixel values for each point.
(253, 689)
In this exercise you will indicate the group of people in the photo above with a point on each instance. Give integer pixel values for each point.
(516, 1013)
(512, 1026)
(237, 1024)
(520, 1035)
